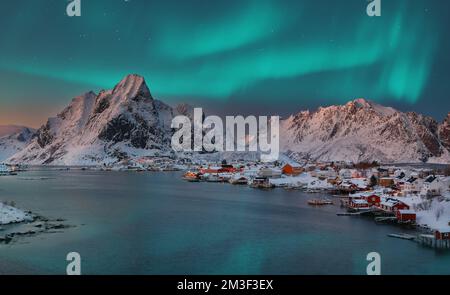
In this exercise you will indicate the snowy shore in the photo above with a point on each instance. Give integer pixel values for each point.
(433, 214)
(9, 214)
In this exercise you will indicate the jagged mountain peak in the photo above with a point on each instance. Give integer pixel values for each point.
(359, 106)
(447, 119)
(184, 109)
(368, 105)
(132, 86)
(361, 102)
(125, 122)
(82, 99)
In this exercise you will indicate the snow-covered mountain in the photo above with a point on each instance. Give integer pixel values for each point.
(13, 139)
(125, 122)
(365, 131)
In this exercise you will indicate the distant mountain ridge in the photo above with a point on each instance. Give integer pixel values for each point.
(365, 131)
(6, 130)
(127, 123)
(13, 139)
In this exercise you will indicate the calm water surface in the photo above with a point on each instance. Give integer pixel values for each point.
(155, 223)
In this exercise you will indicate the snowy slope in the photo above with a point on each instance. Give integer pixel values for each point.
(364, 131)
(123, 123)
(13, 139)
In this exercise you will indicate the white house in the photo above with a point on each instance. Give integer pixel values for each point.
(328, 173)
(413, 185)
(445, 184)
(269, 173)
(345, 173)
(432, 186)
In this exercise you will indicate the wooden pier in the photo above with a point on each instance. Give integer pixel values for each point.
(431, 241)
(348, 213)
(403, 236)
(356, 213)
(386, 219)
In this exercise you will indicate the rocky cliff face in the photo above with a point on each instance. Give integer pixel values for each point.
(364, 131)
(444, 132)
(104, 128)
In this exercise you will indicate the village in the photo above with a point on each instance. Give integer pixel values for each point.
(412, 197)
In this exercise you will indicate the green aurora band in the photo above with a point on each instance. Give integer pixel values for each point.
(231, 48)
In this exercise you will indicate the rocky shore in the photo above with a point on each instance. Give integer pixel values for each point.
(15, 223)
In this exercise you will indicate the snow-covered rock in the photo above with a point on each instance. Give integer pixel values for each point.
(365, 131)
(444, 132)
(10, 214)
(13, 139)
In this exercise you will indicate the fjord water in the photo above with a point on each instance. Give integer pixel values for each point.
(155, 223)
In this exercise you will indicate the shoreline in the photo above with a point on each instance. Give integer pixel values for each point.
(18, 223)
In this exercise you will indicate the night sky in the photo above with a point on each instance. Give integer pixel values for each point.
(234, 57)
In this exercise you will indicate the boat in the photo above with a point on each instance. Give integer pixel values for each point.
(298, 186)
(212, 178)
(317, 202)
(17, 168)
(239, 180)
(169, 168)
(191, 177)
(136, 168)
(262, 182)
(5, 170)
(225, 177)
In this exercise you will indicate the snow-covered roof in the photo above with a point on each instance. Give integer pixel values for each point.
(406, 211)
(294, 165)
(359, 201)
(390, 202)
(360, 182)
(430, 179)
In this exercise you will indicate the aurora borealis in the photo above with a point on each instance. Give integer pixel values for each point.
(232, 56)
